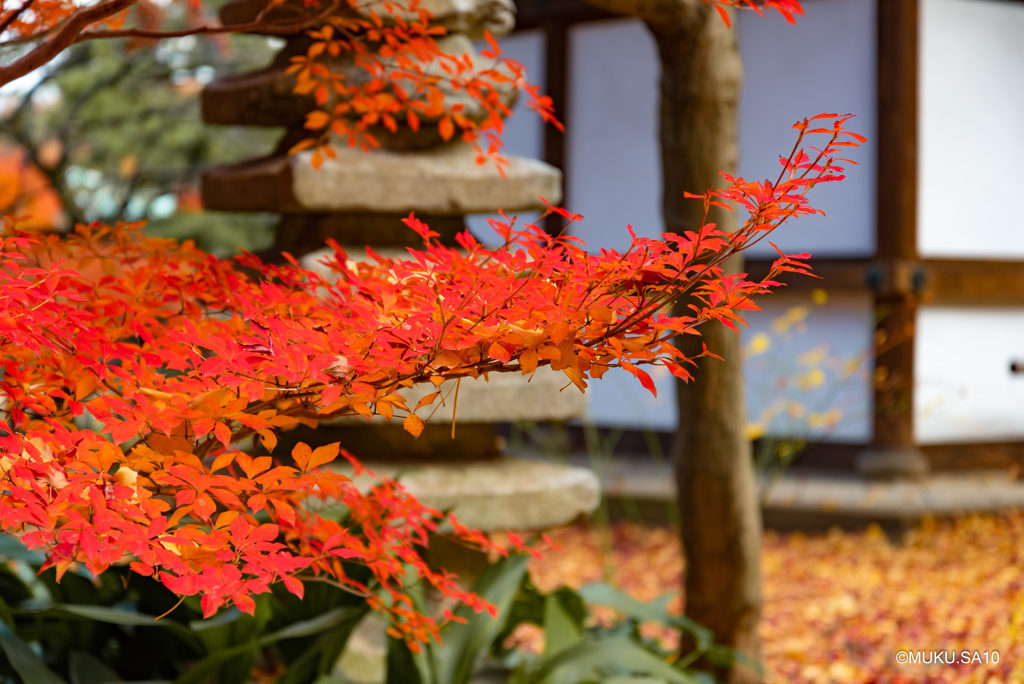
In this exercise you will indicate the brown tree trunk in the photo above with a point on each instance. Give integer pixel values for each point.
(721, 522)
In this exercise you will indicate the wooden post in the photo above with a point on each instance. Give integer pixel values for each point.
(893, 452)
(556, 77)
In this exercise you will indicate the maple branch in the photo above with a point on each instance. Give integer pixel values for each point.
(256, 25)
(67, 36)
(13, 16)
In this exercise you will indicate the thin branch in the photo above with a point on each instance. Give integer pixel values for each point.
(257, 25)
(13, 16)
(64, 38)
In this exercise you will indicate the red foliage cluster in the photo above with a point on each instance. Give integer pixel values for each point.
(179, 356)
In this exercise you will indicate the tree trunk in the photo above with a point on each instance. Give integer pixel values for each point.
(721, 521)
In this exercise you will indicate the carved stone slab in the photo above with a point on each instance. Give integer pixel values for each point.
(444, 181)
(266, 97)
(504, 494)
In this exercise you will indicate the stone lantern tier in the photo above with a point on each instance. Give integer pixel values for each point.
(359, 197)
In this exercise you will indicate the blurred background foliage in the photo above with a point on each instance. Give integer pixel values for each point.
(113, 132)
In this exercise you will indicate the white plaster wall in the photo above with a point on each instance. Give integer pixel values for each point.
(826, 63)
(964, 393)
(619, 400)
(613, 165)
(614, 179)
(524, 130)
(812, 379)
(971, 168)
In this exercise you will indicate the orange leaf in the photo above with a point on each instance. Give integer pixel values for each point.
(427, 400)
(268, 439)
(446, 128)
(528, 360)
(301, 454)
(499, 352)
(85, 386)
(225, 518)
(324, 454)
(222, 461)
(414, 425)
(223, 433)
(204, 506)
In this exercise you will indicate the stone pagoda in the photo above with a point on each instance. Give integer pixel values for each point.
(358, 199)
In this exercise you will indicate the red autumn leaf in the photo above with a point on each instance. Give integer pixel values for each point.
(203, 506)
(444, 314)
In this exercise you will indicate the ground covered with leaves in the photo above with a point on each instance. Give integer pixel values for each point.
(839, 607)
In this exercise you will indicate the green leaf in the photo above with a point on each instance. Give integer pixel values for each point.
(26, 663)
(402, 667)
(560, 630)
(724, 656)
(224, 617)
(121, 617)
(619, 653)
(206, 668)
(5, 614)
(85, 669)
(12, 548)
(602, 594)
(320, 657)
(321, 623)
(453, 663)
(561, 633)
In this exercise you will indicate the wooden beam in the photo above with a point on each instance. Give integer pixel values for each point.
(531, 14)
(963, 282)
(951, 282)
(833, 274)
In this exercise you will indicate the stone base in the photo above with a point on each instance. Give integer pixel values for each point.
(506, 494)
(300, 234)
(894, 463)
(445, 182)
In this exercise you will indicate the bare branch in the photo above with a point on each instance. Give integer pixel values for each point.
(258, 25)
(13, 16)
(64, 38)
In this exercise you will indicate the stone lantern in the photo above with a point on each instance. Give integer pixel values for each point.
(358, 199)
